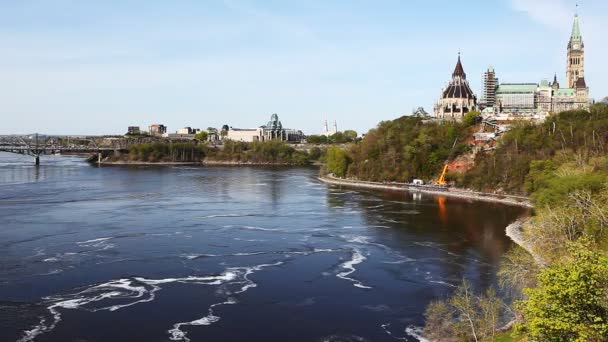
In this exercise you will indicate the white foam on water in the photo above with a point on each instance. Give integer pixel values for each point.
(400, 261)
(94, 240)
(416, 332)
(197, 256)
(260, 228)
(356, 258)
(442, 283)
(222, 215)
(101, 243)
(388, 332)
(138, 290)
(179, 335)
(53, 259)
(249, 240)
(247, 253)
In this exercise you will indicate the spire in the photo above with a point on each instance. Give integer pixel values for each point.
(459, 70)
(555, 84)
(576, 31)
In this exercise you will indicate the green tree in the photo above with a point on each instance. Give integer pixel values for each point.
(464, 316)
(471, 118)
(202, 135)
(337, 161)
(570, 302)
(350, 135)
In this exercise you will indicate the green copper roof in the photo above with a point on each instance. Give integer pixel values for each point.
(576, 31)
(516, 88)
(564, 92)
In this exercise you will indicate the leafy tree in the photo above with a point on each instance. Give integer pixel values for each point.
(464, 316)
(202, 135)
(570, 302)
(337, 161)
(406, 148)
(316, 139)
(471, 118)
(350, 135)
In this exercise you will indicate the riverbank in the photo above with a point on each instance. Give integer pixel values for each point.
(198, 163)
(450, 192)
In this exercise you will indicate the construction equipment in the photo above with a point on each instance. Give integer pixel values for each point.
(441, 180)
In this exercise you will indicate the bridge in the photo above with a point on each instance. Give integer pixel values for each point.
(37, 144)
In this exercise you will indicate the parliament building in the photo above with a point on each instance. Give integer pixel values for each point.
(529, 101)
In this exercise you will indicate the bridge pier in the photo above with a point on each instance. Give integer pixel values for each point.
(98, 158)
(37, 160)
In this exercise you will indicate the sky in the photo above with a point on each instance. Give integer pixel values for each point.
(96, 67)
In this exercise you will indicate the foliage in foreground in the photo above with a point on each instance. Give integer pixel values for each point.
(464, 316)
(570, 302)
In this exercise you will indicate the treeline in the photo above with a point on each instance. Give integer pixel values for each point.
(530, 151)
(402, 149)
(558, 285)
(273, 151)
(347, 136)
(167, 152)
(268, 152)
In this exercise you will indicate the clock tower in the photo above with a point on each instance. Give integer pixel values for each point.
(576, 56)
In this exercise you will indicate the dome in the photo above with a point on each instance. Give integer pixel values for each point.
(274, 122)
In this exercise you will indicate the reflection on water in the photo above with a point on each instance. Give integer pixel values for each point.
(188, 253)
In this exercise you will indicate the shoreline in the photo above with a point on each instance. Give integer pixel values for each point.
(197, 163)
(450, 192)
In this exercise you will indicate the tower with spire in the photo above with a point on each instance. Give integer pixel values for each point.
(575, 70)
(457, 98)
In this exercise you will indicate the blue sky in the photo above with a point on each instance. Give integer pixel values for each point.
(96, 67)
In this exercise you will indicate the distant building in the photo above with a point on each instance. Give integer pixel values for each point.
(133, 130)
(185, 130)
(273, 130)
(329, 132)
(420, 113)
(457, 98)
(157, 129)
(535, 101)
(179, 136)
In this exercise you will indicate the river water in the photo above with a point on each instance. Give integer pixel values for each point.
(227, 254)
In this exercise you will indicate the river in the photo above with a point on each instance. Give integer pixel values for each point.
(227, 254)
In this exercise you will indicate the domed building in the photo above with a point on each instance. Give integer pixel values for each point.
(273, 130)
(457, 98)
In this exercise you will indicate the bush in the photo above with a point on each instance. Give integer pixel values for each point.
(569, 303)
(337, 161)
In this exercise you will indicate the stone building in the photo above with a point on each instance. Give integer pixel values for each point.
(457, 98)
(273, 130)
(157, 129)
(538, 100)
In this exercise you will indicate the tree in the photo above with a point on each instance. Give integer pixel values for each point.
(471, 118)
(438, 318)
(464, 316)
(570, 302)
(337, 161)
(350, 135)
(202, 135)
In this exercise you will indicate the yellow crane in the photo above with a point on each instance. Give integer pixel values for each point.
(441, 180)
